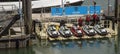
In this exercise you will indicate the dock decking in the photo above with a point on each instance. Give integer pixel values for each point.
(43, 34)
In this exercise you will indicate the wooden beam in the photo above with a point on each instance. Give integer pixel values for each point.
(27, 15)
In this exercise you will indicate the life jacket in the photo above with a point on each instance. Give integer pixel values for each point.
(94, 16)
(87, 18)
(80, 20)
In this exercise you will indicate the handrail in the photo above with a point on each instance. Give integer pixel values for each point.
(5, 15)
(9, 5)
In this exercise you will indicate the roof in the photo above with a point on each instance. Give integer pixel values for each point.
(39, 3)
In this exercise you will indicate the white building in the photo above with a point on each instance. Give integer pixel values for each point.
(37, 5)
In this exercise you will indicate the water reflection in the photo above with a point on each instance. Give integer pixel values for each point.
(56, 45)
(80, 44)
(85, 46)
(94, 46)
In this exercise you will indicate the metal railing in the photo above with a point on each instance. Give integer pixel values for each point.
(7, 11)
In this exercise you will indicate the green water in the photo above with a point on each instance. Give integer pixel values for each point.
(17, 51)
(96, 46)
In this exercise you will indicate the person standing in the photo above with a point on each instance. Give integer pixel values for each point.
(88, 19)
(80, 21)
(40, 26)
(62, 23)
(94, 19)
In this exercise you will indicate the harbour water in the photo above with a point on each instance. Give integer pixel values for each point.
(94, 46)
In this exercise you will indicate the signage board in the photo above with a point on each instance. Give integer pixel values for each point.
(75, 10)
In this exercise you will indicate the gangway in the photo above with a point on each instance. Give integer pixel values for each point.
(8, 17)
(12, 21)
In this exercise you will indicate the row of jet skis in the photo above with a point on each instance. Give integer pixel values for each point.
(77, 31)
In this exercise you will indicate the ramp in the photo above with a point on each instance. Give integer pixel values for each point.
(12, 21)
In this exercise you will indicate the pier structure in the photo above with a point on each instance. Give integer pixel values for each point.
(117, 43)
(20, 37)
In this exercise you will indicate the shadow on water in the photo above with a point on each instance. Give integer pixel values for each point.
(28, 50)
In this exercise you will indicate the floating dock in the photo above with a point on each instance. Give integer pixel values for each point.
(43, 34)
